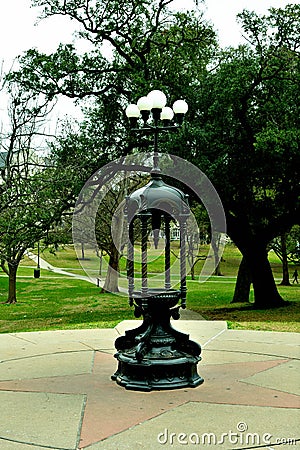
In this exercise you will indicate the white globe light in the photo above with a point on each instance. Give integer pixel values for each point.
(144, 104)
(167, 113)
(180, 107)
(158, 99)
(132, 111)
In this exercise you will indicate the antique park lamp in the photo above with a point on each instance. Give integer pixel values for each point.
(154, 356)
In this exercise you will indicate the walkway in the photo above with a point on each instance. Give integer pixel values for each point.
(45, 265)
(56, 393)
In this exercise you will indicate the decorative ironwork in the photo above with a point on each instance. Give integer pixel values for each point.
(155, 355)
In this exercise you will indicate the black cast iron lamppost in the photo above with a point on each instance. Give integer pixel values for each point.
(155, 356)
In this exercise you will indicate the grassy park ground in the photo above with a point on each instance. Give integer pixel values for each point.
(56, 301)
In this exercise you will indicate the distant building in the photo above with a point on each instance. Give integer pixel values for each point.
(174, 232)
(3, 156)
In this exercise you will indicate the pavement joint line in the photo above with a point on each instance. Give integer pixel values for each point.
(105, 350)
(89, 347)
(80, 425)
(47, 354)
(35, 445)
(254, 353)
(93, 361)
(214, 337)
(273, 389)
(15, 335)
(267, 447)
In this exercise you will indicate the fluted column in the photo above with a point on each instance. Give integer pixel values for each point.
(167, 254)
(144, 220)
(183, 232)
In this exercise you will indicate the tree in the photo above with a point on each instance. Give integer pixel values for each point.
(243, 104)
(110, 232)
(31, 198)
(197, 230)
(247, 138)
(243, 283)
(148, 43)
(286, 247)
(145, 37)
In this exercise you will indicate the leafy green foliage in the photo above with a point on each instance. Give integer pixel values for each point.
(245, 136)
(243, 128)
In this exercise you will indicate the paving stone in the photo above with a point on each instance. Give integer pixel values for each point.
(227, 357)
(283, 378)
(205, 425)
(59, 336)
(27, 344)
(53, 365)
(250, 377)
(277, 337)
(40, 343)
(41, 418)
(278, 345)
(41, 350)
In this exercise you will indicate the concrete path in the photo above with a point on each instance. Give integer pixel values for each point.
(45, 265)
(56, 393)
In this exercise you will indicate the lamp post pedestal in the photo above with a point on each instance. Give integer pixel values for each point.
(155, 356)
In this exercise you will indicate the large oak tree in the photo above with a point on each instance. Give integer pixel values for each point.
(247, 139)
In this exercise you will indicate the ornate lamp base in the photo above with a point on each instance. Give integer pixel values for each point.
(155, 356)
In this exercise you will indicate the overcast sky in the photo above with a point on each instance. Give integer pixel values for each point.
(18, 32)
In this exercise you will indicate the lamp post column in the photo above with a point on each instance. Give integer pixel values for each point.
(183, 288)
(144, 220)
(167, 253)
(130, 262)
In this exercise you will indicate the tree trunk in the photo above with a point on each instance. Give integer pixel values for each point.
(217, 271)
(243, 283)
(192, 262)
(266, 294)
(12, 283)
(111, 281)
(100, 263)
(285, 267)
(215, 243)
(193, 271)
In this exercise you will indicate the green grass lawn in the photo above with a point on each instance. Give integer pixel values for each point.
(61, 302)
(212, 301)
(54, 302)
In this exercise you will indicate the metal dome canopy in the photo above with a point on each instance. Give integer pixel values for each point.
(157, 195)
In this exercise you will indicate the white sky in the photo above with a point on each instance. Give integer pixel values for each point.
(18, 31)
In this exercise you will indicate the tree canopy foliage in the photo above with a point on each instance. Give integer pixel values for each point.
(243, 123)
(245, 136)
